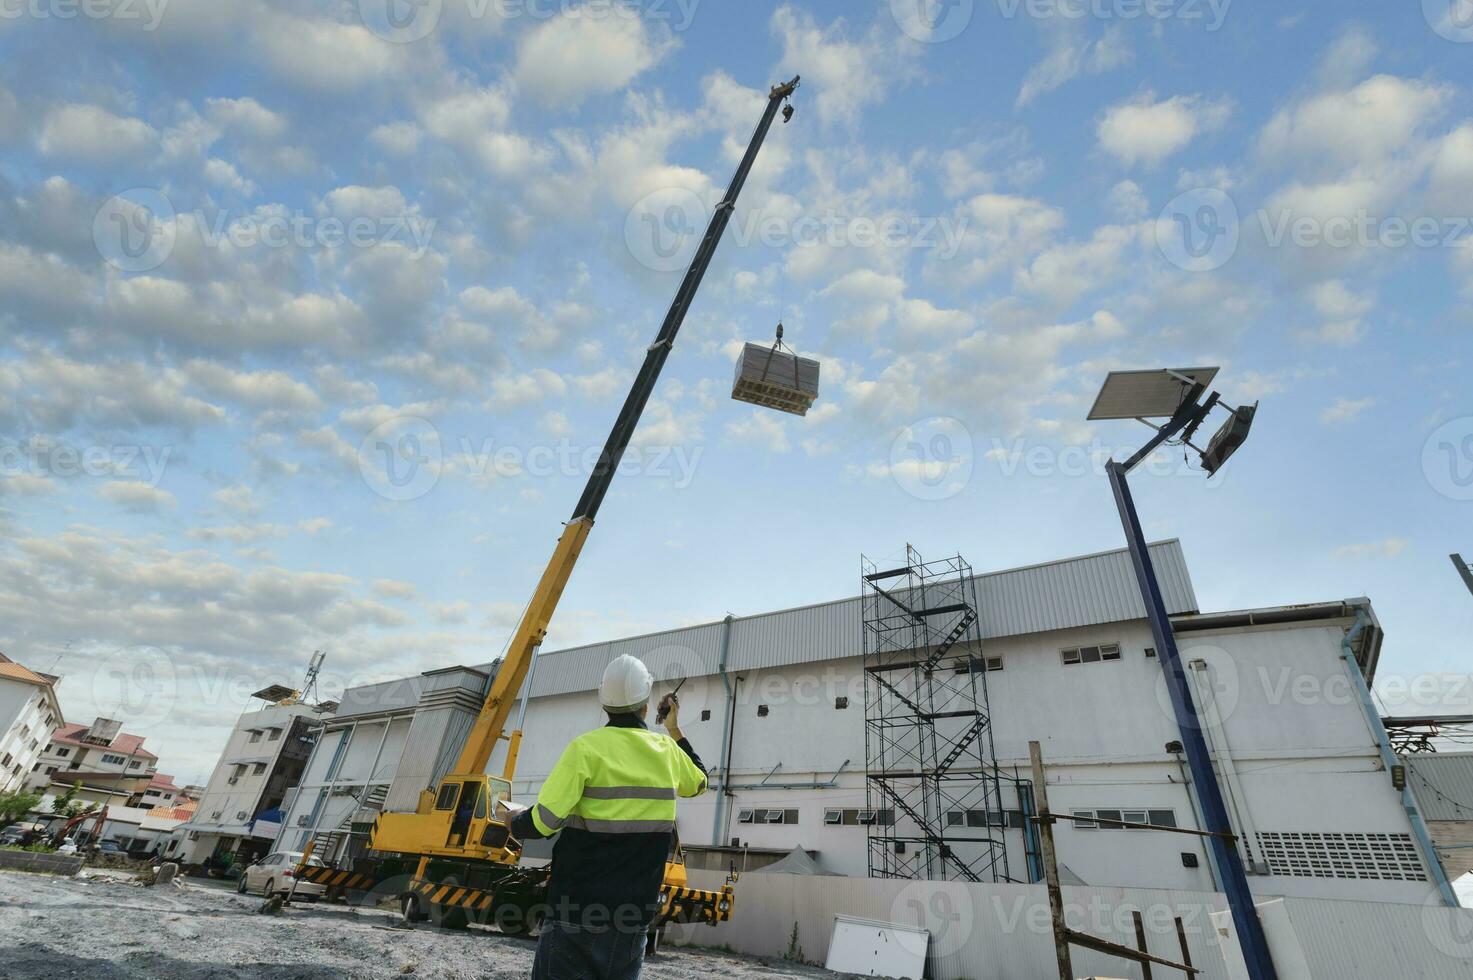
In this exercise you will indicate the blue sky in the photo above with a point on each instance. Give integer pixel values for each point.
(248, 248)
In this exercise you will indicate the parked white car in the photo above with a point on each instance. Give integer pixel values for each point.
(68, 846)
(273, 874)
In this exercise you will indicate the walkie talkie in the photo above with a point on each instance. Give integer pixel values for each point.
(664, 709)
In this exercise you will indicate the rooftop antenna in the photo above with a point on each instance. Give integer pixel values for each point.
(309, 684)
(1464, 569)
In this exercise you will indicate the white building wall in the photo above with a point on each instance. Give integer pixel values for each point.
(1302, 748)
(24, 732)
(233, 795)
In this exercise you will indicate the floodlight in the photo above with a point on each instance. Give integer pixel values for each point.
(1228, 438)
(1147, 394)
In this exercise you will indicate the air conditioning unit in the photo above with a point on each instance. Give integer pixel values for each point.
(304, 820)
(216, 815)
(233, 780)
(241, 815)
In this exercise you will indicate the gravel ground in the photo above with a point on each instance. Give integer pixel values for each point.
(103, 927)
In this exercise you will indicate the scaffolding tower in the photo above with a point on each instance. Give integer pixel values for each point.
(934, 795)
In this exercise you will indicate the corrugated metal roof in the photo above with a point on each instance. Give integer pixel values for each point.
(1443, 784)
(1089, 590)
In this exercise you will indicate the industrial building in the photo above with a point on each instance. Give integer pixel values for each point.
(239, 812)
(777, 705)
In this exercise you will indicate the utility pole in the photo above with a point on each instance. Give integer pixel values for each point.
(1050, 865)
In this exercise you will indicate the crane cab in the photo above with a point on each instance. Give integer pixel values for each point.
(455, 819)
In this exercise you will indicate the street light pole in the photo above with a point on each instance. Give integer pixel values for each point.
(1177, 396)
(1214, 811)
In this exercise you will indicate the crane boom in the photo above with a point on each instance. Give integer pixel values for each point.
(491, 722)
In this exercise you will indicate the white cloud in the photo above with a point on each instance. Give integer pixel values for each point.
(396, 138)
(1386, 548)
(1362, 125)
(247, 118)
(1144, 130)
(1345, 410)
(92, 134)
(137, 497)
(844, 73)
(1069, 56)
(762, 428)
(577, 54)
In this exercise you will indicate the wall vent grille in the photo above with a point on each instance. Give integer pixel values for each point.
(1380, 857)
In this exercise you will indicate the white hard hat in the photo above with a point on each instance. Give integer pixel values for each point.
(626, 685)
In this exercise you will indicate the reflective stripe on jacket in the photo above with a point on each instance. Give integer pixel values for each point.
(617, 780)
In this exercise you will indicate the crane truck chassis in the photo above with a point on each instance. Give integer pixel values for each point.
(453, 860)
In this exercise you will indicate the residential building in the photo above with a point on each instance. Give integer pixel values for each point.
(29, 714)
(112, 766)
(160, 792)
(775, 704)
(239, 810)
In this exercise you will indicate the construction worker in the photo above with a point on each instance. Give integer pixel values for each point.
(611, 799)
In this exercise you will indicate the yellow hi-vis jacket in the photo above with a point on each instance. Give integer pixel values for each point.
(617, 780)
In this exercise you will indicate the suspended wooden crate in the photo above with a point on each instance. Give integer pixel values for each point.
(775, 378)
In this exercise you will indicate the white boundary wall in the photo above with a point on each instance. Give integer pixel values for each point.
(1003, 932)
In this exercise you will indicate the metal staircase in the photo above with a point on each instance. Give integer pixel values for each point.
(929, 759)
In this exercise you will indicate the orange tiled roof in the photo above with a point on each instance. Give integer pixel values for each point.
(16, 672)
(172, 812)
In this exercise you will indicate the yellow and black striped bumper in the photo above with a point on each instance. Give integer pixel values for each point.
(695, 905)
(451, 896)
(334, 878)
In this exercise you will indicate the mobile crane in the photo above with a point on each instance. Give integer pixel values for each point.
(453, 859)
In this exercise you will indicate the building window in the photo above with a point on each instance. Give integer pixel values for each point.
(259, 768)
(840, 817)
(841, 702)
(63, 752)
(5, 761)
(1091, 655)
(762, 815)
(108, 759)
(273, 734)
(1150, 653)
(1010, 819)
(255, 736)
(1156, 818)
(977, 665)
(134, 765)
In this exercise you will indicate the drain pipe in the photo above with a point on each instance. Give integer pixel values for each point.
(1388, 758)
(726, 725)
(1205, 691)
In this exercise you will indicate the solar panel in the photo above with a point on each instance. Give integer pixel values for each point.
(1146, 394)
(274, 693)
